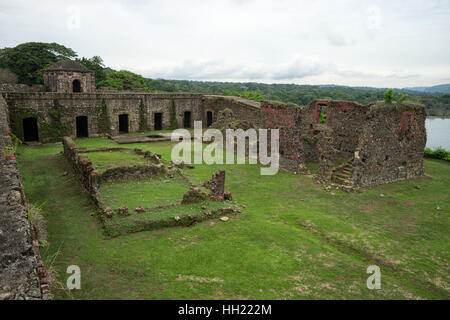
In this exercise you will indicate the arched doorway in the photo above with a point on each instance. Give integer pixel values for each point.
(76, 86)
(82, 127)
(30, 129)
(123, 123)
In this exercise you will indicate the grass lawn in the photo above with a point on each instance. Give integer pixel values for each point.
(109, 159)
(293, 240)
(147, 194)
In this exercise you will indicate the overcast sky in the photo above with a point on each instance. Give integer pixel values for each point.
(347, 42)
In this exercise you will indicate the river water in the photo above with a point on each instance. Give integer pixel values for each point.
(438, 132)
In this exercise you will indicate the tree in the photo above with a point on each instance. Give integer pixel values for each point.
(125, 80)
(28, 60)
(401, 97)
(95, 64)
(389, 96)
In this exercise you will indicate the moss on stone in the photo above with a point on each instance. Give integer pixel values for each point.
(173, 115)
(104, 125)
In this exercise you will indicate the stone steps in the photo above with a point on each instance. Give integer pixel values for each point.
(343, 175)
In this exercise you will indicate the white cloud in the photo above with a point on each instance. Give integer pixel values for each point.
(350, 42)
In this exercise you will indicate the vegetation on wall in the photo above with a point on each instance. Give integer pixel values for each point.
(55, 128)
(252, 95)
(16, 121)
(142, 118)
(125, 80)
(104, 123)
(389, 96)
(173, 115)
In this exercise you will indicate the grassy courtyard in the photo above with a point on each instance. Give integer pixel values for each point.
(109, 159)
(293, 240)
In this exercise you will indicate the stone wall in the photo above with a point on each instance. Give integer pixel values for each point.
(286, 118)
(91, 179)
(391, 145)
(62, 81)
(243, 109)
(56, 113)
(83, 168)
(19, 256)
(172, 107)
(300, 127)
(345, 118)
(17, 87)
(136, 172)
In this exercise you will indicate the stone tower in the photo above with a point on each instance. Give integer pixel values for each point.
(70, 77)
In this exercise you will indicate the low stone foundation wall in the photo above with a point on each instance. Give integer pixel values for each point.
(83, 168)
(91, 179)
(135, 172)
(22, 274)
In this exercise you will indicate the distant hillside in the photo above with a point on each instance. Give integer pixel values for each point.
(442, 88)
(436, 104)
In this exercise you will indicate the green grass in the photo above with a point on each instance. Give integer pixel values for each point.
(110, 159)
(313, 167)
(156, 218)
(293, 240)
(148, 194)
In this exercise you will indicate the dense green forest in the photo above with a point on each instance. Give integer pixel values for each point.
(27, 61)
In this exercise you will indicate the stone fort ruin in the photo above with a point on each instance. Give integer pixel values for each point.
(356, 145)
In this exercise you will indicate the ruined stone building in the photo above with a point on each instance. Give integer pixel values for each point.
(364, 145)
(69, 76)
(354, 144)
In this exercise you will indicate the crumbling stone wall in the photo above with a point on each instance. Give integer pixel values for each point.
(287, 118)
(83, 168)
(365, 145)
(91, 179)
(391, 145)
(19, 258)
(135, 172)
(300, 127)
(243, 109)
(346, 119)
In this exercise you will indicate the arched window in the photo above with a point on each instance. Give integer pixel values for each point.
(76, 85)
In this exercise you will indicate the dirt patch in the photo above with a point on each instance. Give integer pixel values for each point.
(199, 279)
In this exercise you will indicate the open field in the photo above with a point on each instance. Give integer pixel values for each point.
(294, 240)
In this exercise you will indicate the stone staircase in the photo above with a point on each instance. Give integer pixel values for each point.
(342, 175)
